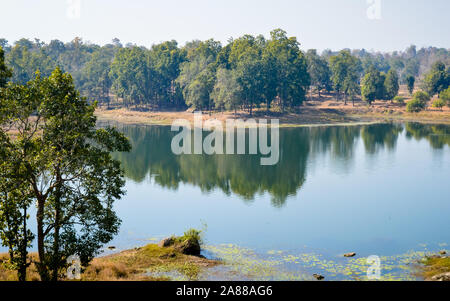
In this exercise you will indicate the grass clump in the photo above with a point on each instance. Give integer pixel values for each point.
(434, 266)
(399, 100)
(148, 263)
(191, 235)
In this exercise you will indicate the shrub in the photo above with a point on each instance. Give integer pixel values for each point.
(445, 96)
(438, 103)
(422, 96)
(418, 103)
(399, 100)
(415, 105)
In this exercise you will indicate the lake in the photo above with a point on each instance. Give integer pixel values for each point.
(380, 189)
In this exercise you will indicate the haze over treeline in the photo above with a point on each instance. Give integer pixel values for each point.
(245, 73)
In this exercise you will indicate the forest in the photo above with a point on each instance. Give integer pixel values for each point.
(248, 72)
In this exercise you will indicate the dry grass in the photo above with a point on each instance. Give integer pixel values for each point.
(324, 110)
(435, 266)
(131, 265)
(7, 274)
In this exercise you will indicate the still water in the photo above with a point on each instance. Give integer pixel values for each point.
(379, 189)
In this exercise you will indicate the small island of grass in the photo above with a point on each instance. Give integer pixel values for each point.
(153, 262)
(436, 268)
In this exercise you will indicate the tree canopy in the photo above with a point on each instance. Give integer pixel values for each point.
(170, 76)
(438, 79)
(58, 161)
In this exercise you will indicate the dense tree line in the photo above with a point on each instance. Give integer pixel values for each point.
(247, 72)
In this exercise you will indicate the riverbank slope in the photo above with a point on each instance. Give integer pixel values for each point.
(325, 112)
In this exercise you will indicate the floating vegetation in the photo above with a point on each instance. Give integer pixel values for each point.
(283, 265)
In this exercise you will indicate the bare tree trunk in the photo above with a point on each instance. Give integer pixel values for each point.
(56, 259)
(22, 272)
(43, 272)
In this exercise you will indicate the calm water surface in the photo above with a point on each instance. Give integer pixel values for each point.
(379, 189)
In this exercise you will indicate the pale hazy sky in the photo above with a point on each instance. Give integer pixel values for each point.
(319, 24)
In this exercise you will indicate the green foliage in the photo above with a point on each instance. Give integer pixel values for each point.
(445, 96)
(286, 70)
(227, 92)
(250, 68)
(346, 70)
(96, 78)
(414, 106)
(372, 86)
(67, 165)
(399, 100)
(250, 77)
(130, 75)
(165, 60)
(192, 235)
(197, 74)
(437, 80)
(319, 71)
(5, 72)
(418, 103)
(439, 103)
(26, 61)
(377, 85)
(422, 96)
(410, 81)
(168, 76)
(391, 84)
(14, 202)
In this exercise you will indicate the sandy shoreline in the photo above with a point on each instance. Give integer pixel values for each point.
(312, 114)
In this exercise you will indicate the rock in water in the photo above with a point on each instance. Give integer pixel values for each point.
(166, 242)
(318, 277)
(352, 254)
(189, 247)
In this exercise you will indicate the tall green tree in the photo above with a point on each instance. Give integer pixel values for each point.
(291, 68)
(351, 88)
(391, 85)
(5, 72)
(25, 61)
(445, 96)
(69, 172)
(130, 75)
(227, 93)
(165, 60)
(250, 69)
(14, 196)
(319, 71)
(197, 74)
(346, 70)
(410, 81)
(96, 75)
(372, 84)
(251, 80)
(437, 80)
